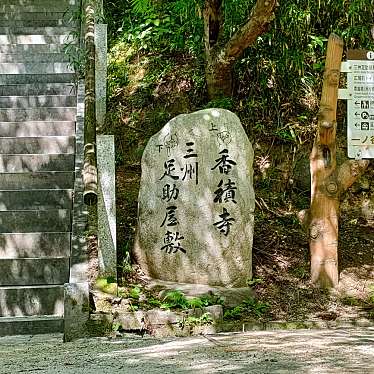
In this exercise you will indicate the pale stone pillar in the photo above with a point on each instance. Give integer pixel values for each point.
(106, 208)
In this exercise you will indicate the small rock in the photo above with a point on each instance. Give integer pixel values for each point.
(116, 301)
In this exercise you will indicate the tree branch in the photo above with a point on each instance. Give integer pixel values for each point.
(261, 15)
(350, 171)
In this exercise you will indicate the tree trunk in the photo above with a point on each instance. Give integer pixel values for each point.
(220, 57)
(328, 182)
(218, 79)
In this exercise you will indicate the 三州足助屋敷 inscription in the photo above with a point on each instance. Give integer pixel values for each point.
(196, 201)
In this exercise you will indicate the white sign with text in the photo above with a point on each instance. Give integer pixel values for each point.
(360, 108)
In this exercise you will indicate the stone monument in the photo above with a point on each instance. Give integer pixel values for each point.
(196, 201)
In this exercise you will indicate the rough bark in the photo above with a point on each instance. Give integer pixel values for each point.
(220, 57)
(327, 182)
(89, 166)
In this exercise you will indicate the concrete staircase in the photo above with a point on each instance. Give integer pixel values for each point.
(37, 157)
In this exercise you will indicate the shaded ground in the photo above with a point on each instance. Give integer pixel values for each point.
(302, 351)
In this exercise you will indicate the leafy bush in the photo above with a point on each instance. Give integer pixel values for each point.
(191, 321)
(249, 307)
(177, 300)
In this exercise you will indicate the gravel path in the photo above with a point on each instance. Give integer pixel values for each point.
(299, 351)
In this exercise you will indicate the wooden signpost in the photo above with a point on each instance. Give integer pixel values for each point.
(328, 181)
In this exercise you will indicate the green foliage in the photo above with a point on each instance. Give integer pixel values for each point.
(116, 326)
(234, 313)
(222, 102)
(248, 308)
(300, 272)
(191, 321)
(351, 301)
(76, 54)
(157, 26)
(156, 303)
(177, 300)
(285, 65)
(254, 281)
(135, 292)
(142, 6)
(107, 285)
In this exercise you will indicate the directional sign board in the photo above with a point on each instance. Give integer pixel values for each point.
(360, 79)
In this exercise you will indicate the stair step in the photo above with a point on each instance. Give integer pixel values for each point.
(31, 301)
(35, 244)
(34, 57)
(37, 128)
(37, 101)
(31, 48)
(63, 21)
(38, 114)
(35, 200)
(34, 7)
(17, 30)
(37, 181)
(57, 220)
(32, 325)
(37, 39)
(36, 162)
(20, 14)
(7, 79)
(34, 271)
(37, 89)
(43, 3)
(35, 67)
(37, 145)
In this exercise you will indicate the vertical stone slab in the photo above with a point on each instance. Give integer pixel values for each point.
(106, 209)
(100, 72)
(196, 201)
(76, 311)
(79, 255)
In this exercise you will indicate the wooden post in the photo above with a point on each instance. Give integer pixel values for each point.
(323, 227)
(328, 182)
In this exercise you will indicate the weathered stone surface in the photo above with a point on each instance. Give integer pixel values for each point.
(169, 323)
(76, 310)
(196, 201)
(106, 206)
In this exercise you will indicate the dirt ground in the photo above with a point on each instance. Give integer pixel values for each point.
(268, 352)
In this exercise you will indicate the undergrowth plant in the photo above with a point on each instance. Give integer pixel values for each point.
(248, 308)
(192, 321)
(72, 46)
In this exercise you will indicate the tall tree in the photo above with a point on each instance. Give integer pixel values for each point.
(220, 55)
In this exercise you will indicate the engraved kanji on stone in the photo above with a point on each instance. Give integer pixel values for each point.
(224, 163)
(170, 216)
(169, 169)
(225, 192)
(172, 242)
(170, 192)
(225, 223)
